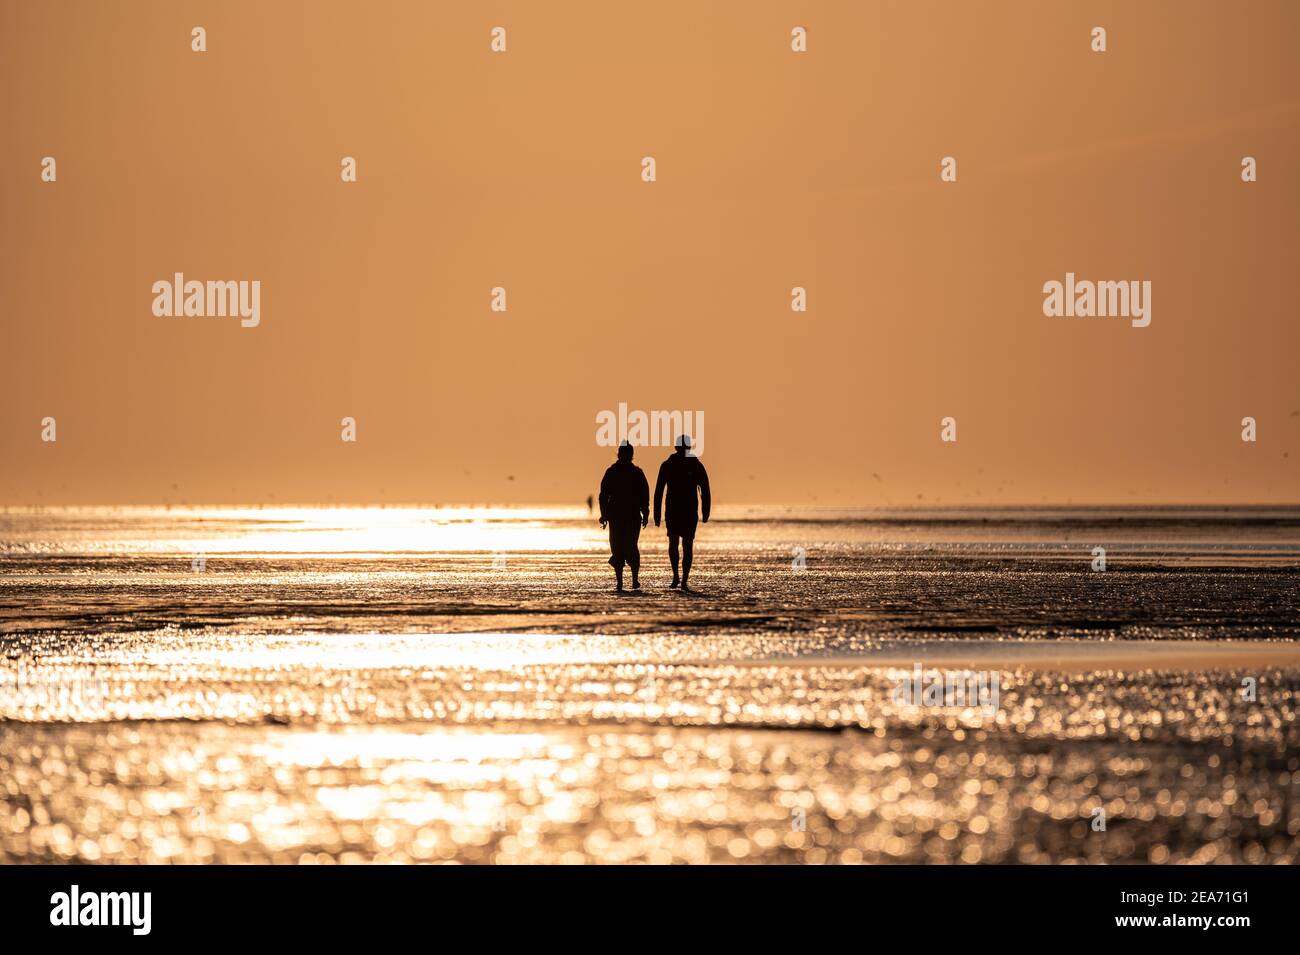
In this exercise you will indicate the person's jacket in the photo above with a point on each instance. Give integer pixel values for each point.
(680, 475)
(624, 493)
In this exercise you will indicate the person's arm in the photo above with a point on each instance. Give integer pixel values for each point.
(605, 488)
(659, 494)
(644, 497)
(705, 500)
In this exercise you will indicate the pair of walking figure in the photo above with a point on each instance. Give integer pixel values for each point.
(625, 507)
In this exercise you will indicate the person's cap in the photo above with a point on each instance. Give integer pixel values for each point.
(683, 441)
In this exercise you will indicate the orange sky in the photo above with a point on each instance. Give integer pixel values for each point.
(775, 169)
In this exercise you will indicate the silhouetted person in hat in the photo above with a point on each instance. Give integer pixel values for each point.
(625, 506)
(682, 475)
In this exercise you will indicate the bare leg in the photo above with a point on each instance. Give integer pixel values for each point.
(619, 573)
(672, 556)
(635, 563)
(688, 545)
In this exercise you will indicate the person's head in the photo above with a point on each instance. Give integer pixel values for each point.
(625, 452)
(683, 443)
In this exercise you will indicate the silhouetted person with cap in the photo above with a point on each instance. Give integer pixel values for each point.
(625, 506)
(682, 475)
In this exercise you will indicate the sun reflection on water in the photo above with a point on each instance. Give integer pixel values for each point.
(305, 531)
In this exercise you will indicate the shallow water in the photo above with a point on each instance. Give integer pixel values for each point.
(464, 685)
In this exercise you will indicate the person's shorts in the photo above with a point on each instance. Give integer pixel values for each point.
(682, 527)
(622, 542)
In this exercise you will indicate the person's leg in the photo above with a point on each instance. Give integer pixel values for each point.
(688, 544)
(634, 556)
(672, 556)
(616, 555)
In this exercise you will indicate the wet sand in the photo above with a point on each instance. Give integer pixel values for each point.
(448, 706)
(1063, 656)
